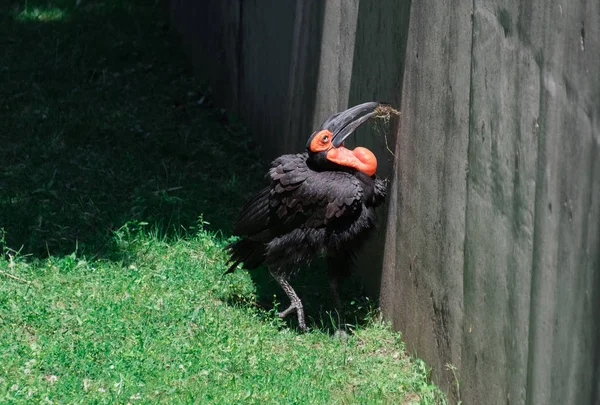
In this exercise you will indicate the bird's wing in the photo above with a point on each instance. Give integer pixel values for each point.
(254, 216)
(301, 197)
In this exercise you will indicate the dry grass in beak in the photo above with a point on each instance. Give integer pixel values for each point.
(385, 112)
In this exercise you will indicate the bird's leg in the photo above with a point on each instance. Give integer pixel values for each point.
(334, 284)
(338, 266)
(296, 304)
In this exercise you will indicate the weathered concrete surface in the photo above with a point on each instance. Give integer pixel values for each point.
(377, 74)
(566, 257)
(286, 66)
(423, 290)
(210, 32)
(492, 245)
(493, 261)
(261, 59)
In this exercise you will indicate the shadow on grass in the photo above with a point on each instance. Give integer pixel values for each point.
(104, 123)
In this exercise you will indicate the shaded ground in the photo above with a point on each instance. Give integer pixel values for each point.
(119, 182)
(103, 124)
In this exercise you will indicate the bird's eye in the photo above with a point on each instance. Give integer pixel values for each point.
(325, 139)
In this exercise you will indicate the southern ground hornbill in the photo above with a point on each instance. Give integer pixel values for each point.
(321, 202)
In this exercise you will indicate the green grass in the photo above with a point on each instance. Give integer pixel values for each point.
(111, 288)
(156, 326)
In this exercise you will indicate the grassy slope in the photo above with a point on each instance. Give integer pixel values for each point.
(157, 326)
(103, 126)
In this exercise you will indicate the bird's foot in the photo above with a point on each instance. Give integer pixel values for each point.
(296, 304)
(291, 308)
(295, 307)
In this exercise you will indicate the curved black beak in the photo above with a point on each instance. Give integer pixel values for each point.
(344, 123)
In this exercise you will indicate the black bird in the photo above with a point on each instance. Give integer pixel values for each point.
(321, 202)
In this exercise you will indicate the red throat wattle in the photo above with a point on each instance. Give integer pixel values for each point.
(361, 159)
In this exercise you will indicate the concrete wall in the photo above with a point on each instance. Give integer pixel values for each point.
(491, 249)
(493, 259)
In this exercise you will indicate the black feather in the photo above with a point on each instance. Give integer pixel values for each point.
(302, 212)
(311, 206)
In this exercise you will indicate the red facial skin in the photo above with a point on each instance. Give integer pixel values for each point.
(361, 159)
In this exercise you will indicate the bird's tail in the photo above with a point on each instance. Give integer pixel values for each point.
(246, 251)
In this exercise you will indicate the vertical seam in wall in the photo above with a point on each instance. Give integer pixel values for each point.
(295, 73)
(467, 175)
(537, 219)
(240, 54)
(590, 262)
(340, 80)
(595, 393)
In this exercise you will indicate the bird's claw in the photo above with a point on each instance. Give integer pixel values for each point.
(295, 307)
(289, 310)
